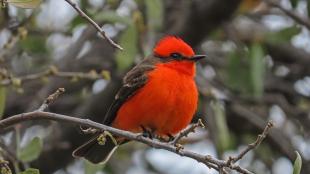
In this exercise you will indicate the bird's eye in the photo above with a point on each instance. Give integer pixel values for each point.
(176, 55)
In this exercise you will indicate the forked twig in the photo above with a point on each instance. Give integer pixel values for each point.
(92, 22)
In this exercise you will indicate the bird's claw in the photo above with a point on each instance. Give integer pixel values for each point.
(170, 137)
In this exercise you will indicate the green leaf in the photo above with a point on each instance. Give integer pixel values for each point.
(237, 72)
(78, 20)
(154, 11)
(284, 35)
(129, 41)
(2, 100)
(294, 3)
(25, 3)
(92, 168)
(246, 70)
(31, 151)
(112, 17)
(297, 164)
(257, 67)
(223, 136)
(34, 44)
(30, 171)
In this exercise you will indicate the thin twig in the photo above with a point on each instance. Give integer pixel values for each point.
(8, 153)
(186, 131)
(10, 156)
(253, 145)
(84, 15)
(53, 72)
(39, 115)
(51, 98)
(289, 13)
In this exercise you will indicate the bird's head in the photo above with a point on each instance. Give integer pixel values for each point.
(174, 48)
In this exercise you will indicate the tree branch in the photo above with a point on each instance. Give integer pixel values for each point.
(289, 13)
(51, 98)
(53, 71)
(186, 131)
(84, 15)
(39, 115)
(253, 145)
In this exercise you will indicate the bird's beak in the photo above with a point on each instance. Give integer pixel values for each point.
(196, 58)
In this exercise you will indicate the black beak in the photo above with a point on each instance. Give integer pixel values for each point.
(197, 57)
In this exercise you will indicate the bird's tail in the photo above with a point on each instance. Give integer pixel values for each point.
(95, 152)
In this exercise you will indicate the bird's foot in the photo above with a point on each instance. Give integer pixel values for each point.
(166, 138)
(170, 138)
(147, 132)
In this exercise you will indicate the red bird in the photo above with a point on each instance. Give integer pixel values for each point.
(158, 96)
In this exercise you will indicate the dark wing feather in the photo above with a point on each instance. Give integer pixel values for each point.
(133, 80)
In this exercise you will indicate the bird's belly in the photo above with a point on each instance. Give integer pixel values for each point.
(166, 104)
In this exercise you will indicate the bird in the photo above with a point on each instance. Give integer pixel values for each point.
(158, 96)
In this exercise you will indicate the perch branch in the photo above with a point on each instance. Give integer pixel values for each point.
(39, 115)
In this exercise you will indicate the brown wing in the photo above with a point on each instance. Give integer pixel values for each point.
(133, 80)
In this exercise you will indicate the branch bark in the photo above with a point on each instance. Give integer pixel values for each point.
(51, 72)
(251, 146)
(40, 115)
(186, 131)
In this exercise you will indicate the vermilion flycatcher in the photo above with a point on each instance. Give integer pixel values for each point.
(158, 95)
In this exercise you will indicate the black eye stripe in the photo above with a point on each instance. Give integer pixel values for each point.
(172, 56)
(176, 55)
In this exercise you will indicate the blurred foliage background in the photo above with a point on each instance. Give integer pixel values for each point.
(257, 69)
